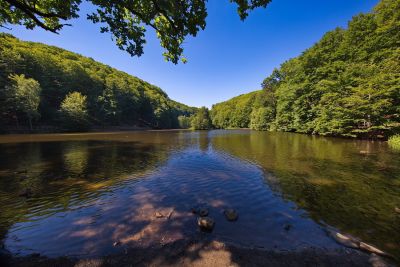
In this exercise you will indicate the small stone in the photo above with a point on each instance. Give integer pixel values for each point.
(396, 209)
(206, 223)
(203, 212)
(371, 249)
(116, 243)
(231, 215)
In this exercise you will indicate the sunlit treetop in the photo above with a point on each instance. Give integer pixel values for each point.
(126, 20)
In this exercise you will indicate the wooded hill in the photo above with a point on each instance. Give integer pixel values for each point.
(49, 86)
(347, 84)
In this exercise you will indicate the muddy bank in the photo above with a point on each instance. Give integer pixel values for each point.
(207, 253)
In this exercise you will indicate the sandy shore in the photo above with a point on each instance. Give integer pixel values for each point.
(208, 253)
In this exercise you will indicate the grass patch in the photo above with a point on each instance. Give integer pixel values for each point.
(394, 141)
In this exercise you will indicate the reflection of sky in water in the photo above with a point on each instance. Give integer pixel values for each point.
(189, 178)
(89, 193)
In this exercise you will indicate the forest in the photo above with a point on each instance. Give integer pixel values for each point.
(347, 84)
(45, 87)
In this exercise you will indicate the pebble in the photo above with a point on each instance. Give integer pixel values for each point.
(206, 223)
(231, 215)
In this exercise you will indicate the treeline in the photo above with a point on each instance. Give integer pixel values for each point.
(347, 84)
(43, 85)
(200, 120)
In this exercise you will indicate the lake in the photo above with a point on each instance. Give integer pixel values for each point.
(81, 194)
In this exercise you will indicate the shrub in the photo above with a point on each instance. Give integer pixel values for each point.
(394, 141)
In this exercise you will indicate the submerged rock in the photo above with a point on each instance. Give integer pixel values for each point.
(231, 215)
(200, 210)
(203, 212)
(396, 209)
(288, 227)
(206, 223)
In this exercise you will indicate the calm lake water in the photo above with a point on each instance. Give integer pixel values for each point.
(88, 191)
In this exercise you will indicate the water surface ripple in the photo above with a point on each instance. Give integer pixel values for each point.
(88, 191)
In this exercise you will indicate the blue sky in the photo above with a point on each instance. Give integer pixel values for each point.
(229, 58)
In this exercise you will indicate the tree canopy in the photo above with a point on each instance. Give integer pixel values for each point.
(113, 98)
(201, 119)
(347, 84)
(74, 111)
(126, 20)
(24, 95)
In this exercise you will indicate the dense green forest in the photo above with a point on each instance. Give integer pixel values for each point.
(43, 86)
(347, 84)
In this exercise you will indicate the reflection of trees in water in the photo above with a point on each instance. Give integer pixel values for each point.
(62, 174)
(204, 140)
(350, 184)
(76, 157)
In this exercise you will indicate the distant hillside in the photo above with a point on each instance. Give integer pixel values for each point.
(347, 84)
(112, 97)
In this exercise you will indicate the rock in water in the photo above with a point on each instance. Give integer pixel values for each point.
(206, 223)
(203, 212)
(396, 209)
(231, 215)
(288, 227)
(346, 241)
(371, 249)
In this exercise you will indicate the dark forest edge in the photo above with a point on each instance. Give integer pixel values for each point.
(347, 84)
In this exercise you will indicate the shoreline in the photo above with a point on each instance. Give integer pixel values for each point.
(146, 129)
(203, 252)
